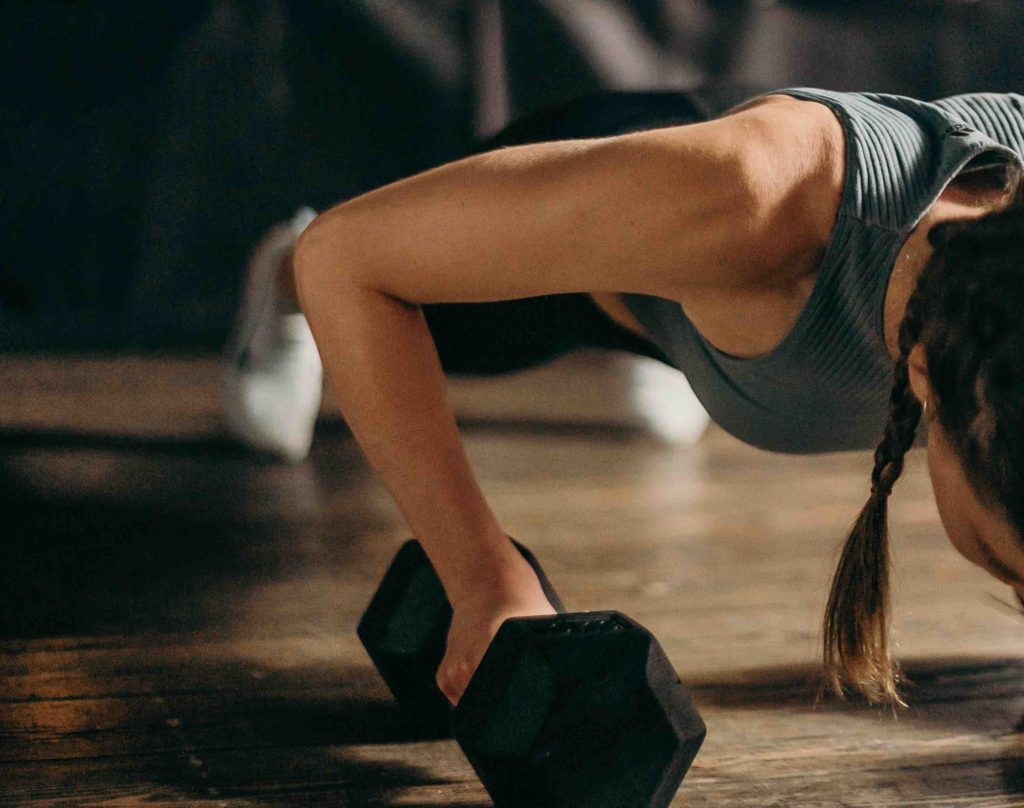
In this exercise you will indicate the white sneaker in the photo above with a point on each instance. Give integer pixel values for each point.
(273, 379)
(665, 403)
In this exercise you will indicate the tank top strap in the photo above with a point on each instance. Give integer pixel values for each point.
(902, 152)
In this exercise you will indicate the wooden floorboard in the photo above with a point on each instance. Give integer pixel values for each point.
(178, 617)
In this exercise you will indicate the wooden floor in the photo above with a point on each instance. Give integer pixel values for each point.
(178, 617)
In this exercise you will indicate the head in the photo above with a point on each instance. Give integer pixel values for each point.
(961, 367)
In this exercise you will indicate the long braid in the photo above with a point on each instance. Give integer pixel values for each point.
(856, 627)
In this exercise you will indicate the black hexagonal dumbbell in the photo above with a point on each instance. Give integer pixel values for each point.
(580, 709)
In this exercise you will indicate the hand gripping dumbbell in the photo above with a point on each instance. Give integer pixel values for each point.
(580, 709)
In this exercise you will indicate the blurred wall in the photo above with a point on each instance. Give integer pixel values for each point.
(145, 146)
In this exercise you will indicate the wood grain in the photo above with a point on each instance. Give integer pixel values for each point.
(178, 617)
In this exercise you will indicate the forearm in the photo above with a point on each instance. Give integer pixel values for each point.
(384, 370)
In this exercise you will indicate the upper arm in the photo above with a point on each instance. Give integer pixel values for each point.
(656, 212)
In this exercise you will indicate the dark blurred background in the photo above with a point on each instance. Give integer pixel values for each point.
(144, 147)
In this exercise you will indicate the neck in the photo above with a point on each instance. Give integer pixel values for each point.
(955, 202)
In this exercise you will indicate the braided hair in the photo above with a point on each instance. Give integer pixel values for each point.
(967, 311)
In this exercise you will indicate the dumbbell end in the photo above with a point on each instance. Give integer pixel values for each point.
(404, 630)
(579, 709)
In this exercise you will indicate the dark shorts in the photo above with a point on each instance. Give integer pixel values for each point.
(494, 337)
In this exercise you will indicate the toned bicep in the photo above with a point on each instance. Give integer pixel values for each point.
(655, 212)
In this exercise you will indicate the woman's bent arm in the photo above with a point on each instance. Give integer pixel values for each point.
(651, 212)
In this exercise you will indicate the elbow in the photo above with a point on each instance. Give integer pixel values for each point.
(309, 258)
(318, 263)
(303, 255)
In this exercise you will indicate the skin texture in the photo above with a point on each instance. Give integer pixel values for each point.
(979, 533)
(728, 217)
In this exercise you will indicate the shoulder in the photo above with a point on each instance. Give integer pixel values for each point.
(898, 151)
(807, 132)
(794, 155)
(786, 156)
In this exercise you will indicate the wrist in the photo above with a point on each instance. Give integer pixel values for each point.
(494, 571)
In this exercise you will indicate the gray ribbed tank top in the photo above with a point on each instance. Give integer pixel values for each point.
(825, 386)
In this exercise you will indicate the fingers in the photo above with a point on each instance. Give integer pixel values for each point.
(452, 679)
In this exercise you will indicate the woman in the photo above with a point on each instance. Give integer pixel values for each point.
(823, 266)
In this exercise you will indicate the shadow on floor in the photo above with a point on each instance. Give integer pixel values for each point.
(70, 440)
(166, 538)
(929, 681)
(283, 741)
(982, 696)
(328, 429)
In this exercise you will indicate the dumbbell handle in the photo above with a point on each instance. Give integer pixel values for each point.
(545, 584)
(387, 638)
